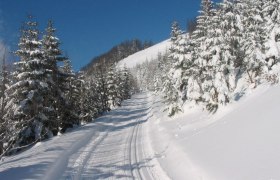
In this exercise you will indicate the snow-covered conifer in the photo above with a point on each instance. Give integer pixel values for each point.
(254, 39)
(68, 109)
(271, 14)
(52, 56)
(112, 87)
(26, 110)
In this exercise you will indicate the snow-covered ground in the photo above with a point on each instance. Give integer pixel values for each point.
(146, 54)
(113, 147)
(138, 140)
(240, 142)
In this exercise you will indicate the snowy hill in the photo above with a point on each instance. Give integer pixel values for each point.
(146, 54)
(138, 140)
(240, 142)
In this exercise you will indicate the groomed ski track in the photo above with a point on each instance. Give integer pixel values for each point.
(113, 147)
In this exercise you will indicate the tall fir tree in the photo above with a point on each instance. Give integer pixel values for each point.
(199, 56)
(271, 15)
(27, 112)
(253, 40)
(52, 56)
(172, 81)
(69, 108)
(101, 86)
(4, 84)
(112, 87)
(126, 84)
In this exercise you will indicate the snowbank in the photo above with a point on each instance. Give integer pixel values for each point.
(240, 142)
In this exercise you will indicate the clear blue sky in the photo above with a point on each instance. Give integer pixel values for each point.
(88, 28)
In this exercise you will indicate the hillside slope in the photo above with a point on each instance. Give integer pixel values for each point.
(146, 54)
(240, 142)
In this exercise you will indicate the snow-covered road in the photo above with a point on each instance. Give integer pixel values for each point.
(113, 147)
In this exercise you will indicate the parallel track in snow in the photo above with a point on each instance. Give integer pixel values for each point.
(117, 151)
(115, 146)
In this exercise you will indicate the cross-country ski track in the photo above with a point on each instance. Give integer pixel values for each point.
(112, 147)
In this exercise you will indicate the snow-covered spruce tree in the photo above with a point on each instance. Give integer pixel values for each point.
(158, 74)
(91, 98)
(219, 61)
(223, 52)
(171, 97)
(199, 35)
(137, 72)
(68, 110)
(189, 87)
(271, 10)
(182, 65)
(198, 55)
(271, 15)
(112, 87)
(52, 56)
(27, 112)
(176, 32)
(170, 86)
(85, 100)
(120, 82)
(253, 40)
(150, 74)
(161, 71)
(101, 86)
(177, 48)
(4, 84)
(126, 84)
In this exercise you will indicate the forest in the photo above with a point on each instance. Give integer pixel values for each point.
(233, 45)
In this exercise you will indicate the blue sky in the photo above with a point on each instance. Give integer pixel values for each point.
(88, 28)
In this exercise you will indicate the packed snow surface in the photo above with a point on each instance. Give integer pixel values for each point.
(139, 141)
(113, 147)
(148, 54)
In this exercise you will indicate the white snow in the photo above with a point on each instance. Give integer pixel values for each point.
(146, 54)
(113, 147)
(240, 142)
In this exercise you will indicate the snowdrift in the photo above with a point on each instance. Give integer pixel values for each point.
(239, 142)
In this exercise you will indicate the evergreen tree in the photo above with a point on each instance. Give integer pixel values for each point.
(91, 99)
(199, 56)
(158, 81)
(27, 112)
(215, 69)
(126, 82)
(52, 56)
(170, 86)
(101, 86)
(271, 15)
(69, 107)
(112, 87)
(254, 40)
(271, 10)
(4, 84)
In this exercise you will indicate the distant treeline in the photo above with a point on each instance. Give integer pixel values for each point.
(118, 53)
